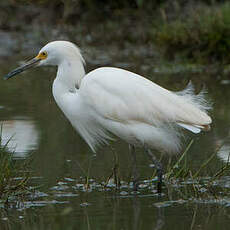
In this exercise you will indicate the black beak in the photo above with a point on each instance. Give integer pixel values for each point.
(32, 63)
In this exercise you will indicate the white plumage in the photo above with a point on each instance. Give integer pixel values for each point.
(109, 102)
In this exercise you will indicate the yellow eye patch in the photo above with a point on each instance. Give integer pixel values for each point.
(42, 55)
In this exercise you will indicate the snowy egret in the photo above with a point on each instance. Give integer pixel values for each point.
(110, 102)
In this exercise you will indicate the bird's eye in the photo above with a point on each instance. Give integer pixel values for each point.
(44, 54)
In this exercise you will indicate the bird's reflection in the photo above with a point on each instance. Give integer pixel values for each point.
(160, 220)
(19, 135)
(137, 215)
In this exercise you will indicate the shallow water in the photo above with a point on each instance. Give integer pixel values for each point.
(61, 159)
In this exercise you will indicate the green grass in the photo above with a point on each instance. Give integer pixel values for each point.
(14, 176)
(201, 183)
(202, 34)
(181, 179)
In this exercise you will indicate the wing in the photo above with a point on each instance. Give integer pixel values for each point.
(126, 97)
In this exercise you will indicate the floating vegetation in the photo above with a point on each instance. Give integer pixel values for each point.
(181, 184)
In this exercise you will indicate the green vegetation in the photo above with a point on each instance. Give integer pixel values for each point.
(180, 179)
(203, 35)
(182, 30)
(196, 183)
(13, 176)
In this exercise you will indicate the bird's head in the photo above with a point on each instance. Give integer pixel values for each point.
(54, 53)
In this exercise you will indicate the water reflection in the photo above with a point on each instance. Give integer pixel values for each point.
(62, 160)
(223, 148)
(224, 153)
(23, 136)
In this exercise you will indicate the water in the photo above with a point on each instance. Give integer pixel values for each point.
(61, 159)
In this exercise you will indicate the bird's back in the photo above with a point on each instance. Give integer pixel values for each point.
(128, 100)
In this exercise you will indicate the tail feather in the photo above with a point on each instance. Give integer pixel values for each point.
(198, 100)
(195, 128)
(191, 128)
(198, 118)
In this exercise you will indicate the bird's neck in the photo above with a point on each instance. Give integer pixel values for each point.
(70, 74)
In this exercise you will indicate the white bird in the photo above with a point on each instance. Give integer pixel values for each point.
(110, 102)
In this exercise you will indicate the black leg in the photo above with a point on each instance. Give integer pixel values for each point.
(159, 169)
(116, 176)
(134, 165)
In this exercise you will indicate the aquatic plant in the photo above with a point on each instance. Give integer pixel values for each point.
(199, 183)
(14, 175)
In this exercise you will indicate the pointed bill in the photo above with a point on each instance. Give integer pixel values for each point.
(32, 63)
